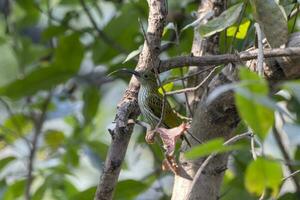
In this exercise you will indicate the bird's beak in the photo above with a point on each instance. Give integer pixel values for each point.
(129, 71)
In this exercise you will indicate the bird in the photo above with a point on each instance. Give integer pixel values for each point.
(150, 102)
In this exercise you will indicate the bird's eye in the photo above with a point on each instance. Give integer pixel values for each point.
(146, 76)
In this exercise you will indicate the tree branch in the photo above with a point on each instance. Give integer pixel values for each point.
(39, 121)
(205, 61)
(128, 107)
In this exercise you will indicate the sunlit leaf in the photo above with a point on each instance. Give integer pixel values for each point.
(226, 19)
(262, 174)
(241, 30)
(167, 87)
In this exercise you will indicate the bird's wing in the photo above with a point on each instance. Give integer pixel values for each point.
(155, 102)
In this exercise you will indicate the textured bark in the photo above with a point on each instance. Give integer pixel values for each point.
(219, 119)
(201, 46)
(128, 107)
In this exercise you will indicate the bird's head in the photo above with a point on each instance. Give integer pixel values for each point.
(145, 77)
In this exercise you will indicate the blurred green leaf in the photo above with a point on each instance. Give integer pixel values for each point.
(262, 174)
(129, 189)
(54, 138)
(167, 87)
(91, 98)
(133, 54)
(212, 146)
(259, 117)
(5, 161)
(28, 52)
(226, 19)
(14, 190)
(17, 125)
(67, 59)
(122, 29)
(85, 194)
(8, 65)
(241, 30)
(40, 192)
(52, 31)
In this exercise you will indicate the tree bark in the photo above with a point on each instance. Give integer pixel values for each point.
(128, 107)
(219, 119)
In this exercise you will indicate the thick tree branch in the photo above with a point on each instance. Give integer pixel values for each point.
(128, 107)
(205, 61)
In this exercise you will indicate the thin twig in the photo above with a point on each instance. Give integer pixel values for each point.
(186, 90)
(163, 100)
(211, 156)
(39, 121)
(188, 107)
(143, 31)
(260, 56)
(291, 175)
(296, 17)
(208, 60)
(253, 148)
(190, 75)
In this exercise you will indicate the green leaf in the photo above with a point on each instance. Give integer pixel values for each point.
(226, 19)
(5, 161)
(212, 146)
(8, 65)
(262, 174)
(258, 116)
(17, 125)
(40, 192)
(91, 98)
(85, 194)
(52, 31)
(128, 189)
(122, 29)
(67, 59)
(133, 54)
(15, 190)
(167, 87)
(242, 30)
(54, 138)
(272, 20)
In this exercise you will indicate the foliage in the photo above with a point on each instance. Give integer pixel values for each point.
(53, 85)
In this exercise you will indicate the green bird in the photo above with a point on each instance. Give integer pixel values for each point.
(151, 102)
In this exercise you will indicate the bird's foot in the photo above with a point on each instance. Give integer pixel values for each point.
(150, 136)
(169, 163)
